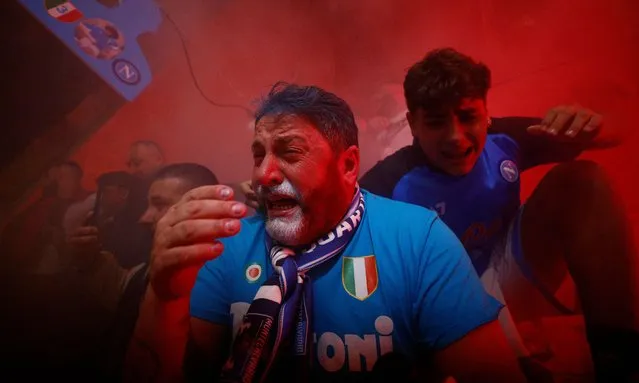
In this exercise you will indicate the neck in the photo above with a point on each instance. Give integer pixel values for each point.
(341, 203)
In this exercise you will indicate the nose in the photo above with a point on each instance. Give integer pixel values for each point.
(268, 173)
(147, 217)
(456, 131)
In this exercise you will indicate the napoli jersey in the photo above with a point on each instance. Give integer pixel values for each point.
(403, 281)
(479, 206)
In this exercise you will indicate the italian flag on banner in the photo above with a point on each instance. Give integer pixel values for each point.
(359, 276)
(62, 10)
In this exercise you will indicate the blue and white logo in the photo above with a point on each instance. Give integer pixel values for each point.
(126, 72)
(509, 171)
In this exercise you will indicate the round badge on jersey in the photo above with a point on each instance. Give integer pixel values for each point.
(253, 273)
(509, 171)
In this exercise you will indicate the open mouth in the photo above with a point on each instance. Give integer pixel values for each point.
(279, 205)
(457, 155)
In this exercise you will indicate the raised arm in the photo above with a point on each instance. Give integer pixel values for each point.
(183, 243)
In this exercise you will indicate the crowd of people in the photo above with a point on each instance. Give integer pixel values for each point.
(426, 267)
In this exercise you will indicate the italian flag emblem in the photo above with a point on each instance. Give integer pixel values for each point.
(62, 10)
(359, 276)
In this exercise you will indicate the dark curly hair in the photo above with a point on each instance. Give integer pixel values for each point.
(443, 78)
(330, 114)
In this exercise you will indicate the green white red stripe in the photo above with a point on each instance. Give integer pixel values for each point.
(359, 276)
(63, 10)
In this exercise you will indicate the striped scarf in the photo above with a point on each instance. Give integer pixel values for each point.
(279, 318)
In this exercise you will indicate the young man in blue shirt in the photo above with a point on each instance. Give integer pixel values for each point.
(466, 166)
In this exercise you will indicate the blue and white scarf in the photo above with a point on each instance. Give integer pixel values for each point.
(282, 308)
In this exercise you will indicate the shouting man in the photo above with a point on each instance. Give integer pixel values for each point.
(324, 283)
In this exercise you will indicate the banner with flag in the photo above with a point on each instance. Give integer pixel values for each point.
(359, 276)
(62, 10)
(104, 35)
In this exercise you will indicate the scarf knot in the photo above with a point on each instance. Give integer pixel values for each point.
(286, 270)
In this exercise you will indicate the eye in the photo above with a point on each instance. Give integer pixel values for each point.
(436, 123)
(292, 153)
(160, 205)
(258, 156)
(469, 118)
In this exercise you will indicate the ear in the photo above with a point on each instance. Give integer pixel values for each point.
(411, 118)
(349, 164)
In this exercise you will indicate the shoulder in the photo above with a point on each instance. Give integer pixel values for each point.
(382, 178)
(502, 142)
(396, 217)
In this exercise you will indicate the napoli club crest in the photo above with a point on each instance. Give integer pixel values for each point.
(509, 171)
(253, 273)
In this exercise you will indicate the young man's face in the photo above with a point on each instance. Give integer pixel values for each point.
(452, 138)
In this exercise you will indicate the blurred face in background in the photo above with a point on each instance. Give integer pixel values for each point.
(163, 194)
(113, 200)
(69, 181)
(144, 160)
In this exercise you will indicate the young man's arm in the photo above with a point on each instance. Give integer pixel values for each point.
(457, 319)
(573, 123)
(561, 136)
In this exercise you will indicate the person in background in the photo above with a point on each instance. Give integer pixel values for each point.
(109, 201)
(167, 188)
(130, 242)
(119, 289)
(49, 181)
(36, 234)
(34, 285)
(145, 159)
(571, 235)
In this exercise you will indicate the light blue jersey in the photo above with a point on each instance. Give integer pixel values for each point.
(403, 282)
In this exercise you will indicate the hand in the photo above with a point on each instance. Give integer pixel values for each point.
(568, 123)
(84, 240)
(185, 238)
(250, 197)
